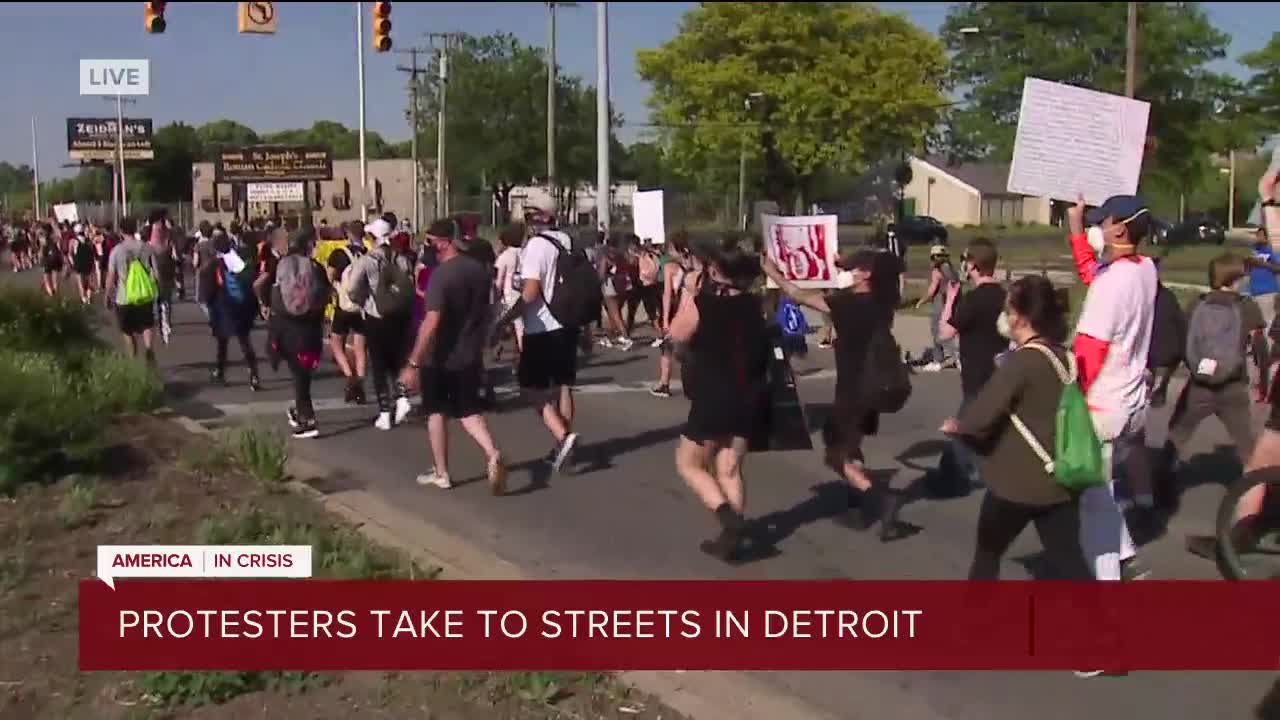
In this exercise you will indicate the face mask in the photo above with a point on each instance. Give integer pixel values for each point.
(844, 279)
(1097, 240)
(1002, 324)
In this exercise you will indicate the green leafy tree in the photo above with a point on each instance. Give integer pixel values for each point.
(496, 118)
(1083, 44)
(1263, 89)
(344, 141)
(836, 86)
(224, 133)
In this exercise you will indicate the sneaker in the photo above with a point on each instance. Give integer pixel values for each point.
(605, 342)
(358, 396)
(1085, 674)
(624, 343)
(662, 391)
(383, 422)
(1133, 569)
(349, 392)
(931, 367)
(403, 408)
(497, 475)
(435, 479)
(306, 431)
(216, 377)
(255, 383)
(657, 342)
(564, 451)
(292, 415)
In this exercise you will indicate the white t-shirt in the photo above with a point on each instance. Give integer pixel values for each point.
(538, 262)
(1120, 309)
(507, 266)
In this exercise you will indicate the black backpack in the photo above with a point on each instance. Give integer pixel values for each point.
(886, 380)
(576, 300)
(1168, 331)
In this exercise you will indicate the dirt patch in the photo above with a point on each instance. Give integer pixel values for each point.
(164, 485)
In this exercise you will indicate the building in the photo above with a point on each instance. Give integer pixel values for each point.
(959, 194)
(390, 187)
(583, 205)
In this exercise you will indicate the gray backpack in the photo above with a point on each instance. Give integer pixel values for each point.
(1214, 353)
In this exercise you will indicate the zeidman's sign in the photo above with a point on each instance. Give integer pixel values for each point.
(264, 163)
(96, 138)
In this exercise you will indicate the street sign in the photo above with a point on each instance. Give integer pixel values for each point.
(115, 77)
(267, 163)
(96, 138)
(270, 192)
(256, 17)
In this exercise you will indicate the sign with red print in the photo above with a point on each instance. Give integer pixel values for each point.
(804, 248)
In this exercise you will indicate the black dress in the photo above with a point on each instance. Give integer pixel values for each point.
(729, 365)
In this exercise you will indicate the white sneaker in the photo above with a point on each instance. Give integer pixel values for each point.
(605, 342)
(403, 407)
(434, 479)
(383, 422)
(930, 367)
(624, 343)
(657, 343)
(564, 451)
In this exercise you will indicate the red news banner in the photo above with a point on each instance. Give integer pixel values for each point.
(666, 625)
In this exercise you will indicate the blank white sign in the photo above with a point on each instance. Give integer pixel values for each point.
(1074, 141)
(650, 220)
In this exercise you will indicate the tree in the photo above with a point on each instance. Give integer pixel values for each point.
(344, 141)
(497, 114)
(224, 133)
(1262, 98)
(1083, 44)
(836, 85)
(167, 178)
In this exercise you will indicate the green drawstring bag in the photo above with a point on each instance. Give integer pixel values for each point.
(1076, 463)
(139, 286)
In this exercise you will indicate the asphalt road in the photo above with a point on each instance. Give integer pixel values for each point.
(625, 514)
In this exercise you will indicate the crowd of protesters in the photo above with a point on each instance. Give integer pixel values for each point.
(422, 314)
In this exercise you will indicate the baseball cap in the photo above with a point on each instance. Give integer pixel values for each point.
(1126, 209)
(380, 230)
(937, 250)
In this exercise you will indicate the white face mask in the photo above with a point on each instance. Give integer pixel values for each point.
(1097, 240)
(844, 279)
(1002, 324)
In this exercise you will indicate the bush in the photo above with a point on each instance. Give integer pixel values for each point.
(116, 384)
(261, 451)
(30, 321)
(44, 423)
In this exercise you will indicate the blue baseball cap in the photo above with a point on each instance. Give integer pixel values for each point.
(1126, 209)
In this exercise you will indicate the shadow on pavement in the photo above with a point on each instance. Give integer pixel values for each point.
(600, 456)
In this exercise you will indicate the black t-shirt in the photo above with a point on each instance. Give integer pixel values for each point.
(974, 318)
(856, 316)
(459, 290)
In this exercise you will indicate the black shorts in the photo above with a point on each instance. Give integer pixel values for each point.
(347, 323)
(134, 319)
(549, 359)
(455, 394)
(846, 427)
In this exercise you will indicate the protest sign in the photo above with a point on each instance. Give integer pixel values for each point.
(804, 247)
(1072, 140)
(650, 221)
(66, 212)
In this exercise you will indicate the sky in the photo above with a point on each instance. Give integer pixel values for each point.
(202, 69)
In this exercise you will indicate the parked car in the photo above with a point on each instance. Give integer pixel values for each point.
(1197, 229)
(921, 230)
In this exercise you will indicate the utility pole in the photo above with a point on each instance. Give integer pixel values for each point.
(1131, 53)
(414, 71)
(364, 162)
(551, 102)
(444, 43)
(123, 208)
(35, 166)
(602, 116)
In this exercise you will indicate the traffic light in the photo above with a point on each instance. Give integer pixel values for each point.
(381, 26)
(153, 17)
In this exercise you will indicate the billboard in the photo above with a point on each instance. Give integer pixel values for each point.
(96, 138)
(268, 163)
(276, 192)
